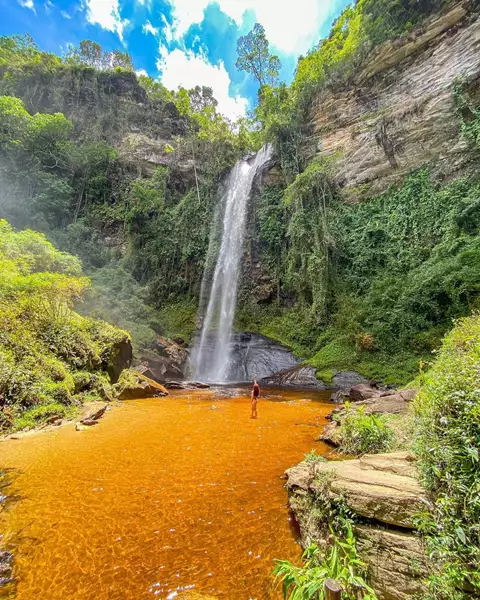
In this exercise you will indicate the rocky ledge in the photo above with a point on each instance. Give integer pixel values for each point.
(372, 400)
(300, 376)
(383, 494)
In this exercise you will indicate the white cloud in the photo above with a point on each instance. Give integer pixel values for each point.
(183, 68)
(65, 14)
(141, 72)
(149, 28)
(291, 28)
(106, 14)
(168, 30)
(27, 4)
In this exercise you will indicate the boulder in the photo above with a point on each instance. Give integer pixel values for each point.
(391, 405)
(186, 385)
(344, 380)
(135, 385)
(88, 423)
(339, 397)
(379, 487)
(167, 359)
(301, 376)
(408, 395)
(98, 414)
(363, 391)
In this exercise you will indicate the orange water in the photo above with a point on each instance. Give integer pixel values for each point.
(164, 495)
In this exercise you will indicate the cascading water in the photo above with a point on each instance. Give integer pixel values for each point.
(210, 359)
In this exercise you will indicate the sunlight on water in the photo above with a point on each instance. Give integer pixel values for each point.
(165, 495)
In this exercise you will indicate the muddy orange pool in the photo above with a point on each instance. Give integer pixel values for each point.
(164, 496)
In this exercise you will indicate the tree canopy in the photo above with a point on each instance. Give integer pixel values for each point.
(254, 56)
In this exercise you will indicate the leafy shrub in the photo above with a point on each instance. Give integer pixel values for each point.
(448, 450)
(361, 433)
(338, 561)
(43, 342)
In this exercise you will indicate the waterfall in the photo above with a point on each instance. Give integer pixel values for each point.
(210, 359)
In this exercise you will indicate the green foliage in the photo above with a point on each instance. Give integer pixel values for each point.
(308, 258)
(468, 109)
(376, 284)
(361, 433)
(91, 54)
(448, 450)
(63, 176)
(43, 342)
(178, 318)
(254, 56)
(410, 256)
(338, 561)
(312, 456)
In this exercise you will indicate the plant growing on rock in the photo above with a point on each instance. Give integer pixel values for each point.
(361, 433)
(337, 561)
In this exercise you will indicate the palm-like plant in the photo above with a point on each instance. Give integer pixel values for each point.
(339, 561)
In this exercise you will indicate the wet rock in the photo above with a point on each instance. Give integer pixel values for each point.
(363, 392)
(300, 376)
(89, 422)
(186, 385)
(79, 427)
(254, 355)
(344, 380)
(167, 359)
(6, 567)
(339, 397)
(135, 385)
(92, 419)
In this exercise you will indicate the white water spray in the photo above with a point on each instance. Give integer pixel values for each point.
(211, 356)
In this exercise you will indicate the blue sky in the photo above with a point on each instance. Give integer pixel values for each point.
(181, 42)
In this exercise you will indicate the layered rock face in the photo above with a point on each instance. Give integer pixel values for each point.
(399, 114)
(383, 491)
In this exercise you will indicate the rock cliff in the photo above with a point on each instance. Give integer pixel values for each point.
(399, 113)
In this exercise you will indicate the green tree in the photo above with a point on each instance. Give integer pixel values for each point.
(254, 56)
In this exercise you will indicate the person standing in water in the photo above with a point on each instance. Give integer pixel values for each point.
(254, 398)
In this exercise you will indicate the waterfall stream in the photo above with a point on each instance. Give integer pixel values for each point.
(210, 359)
